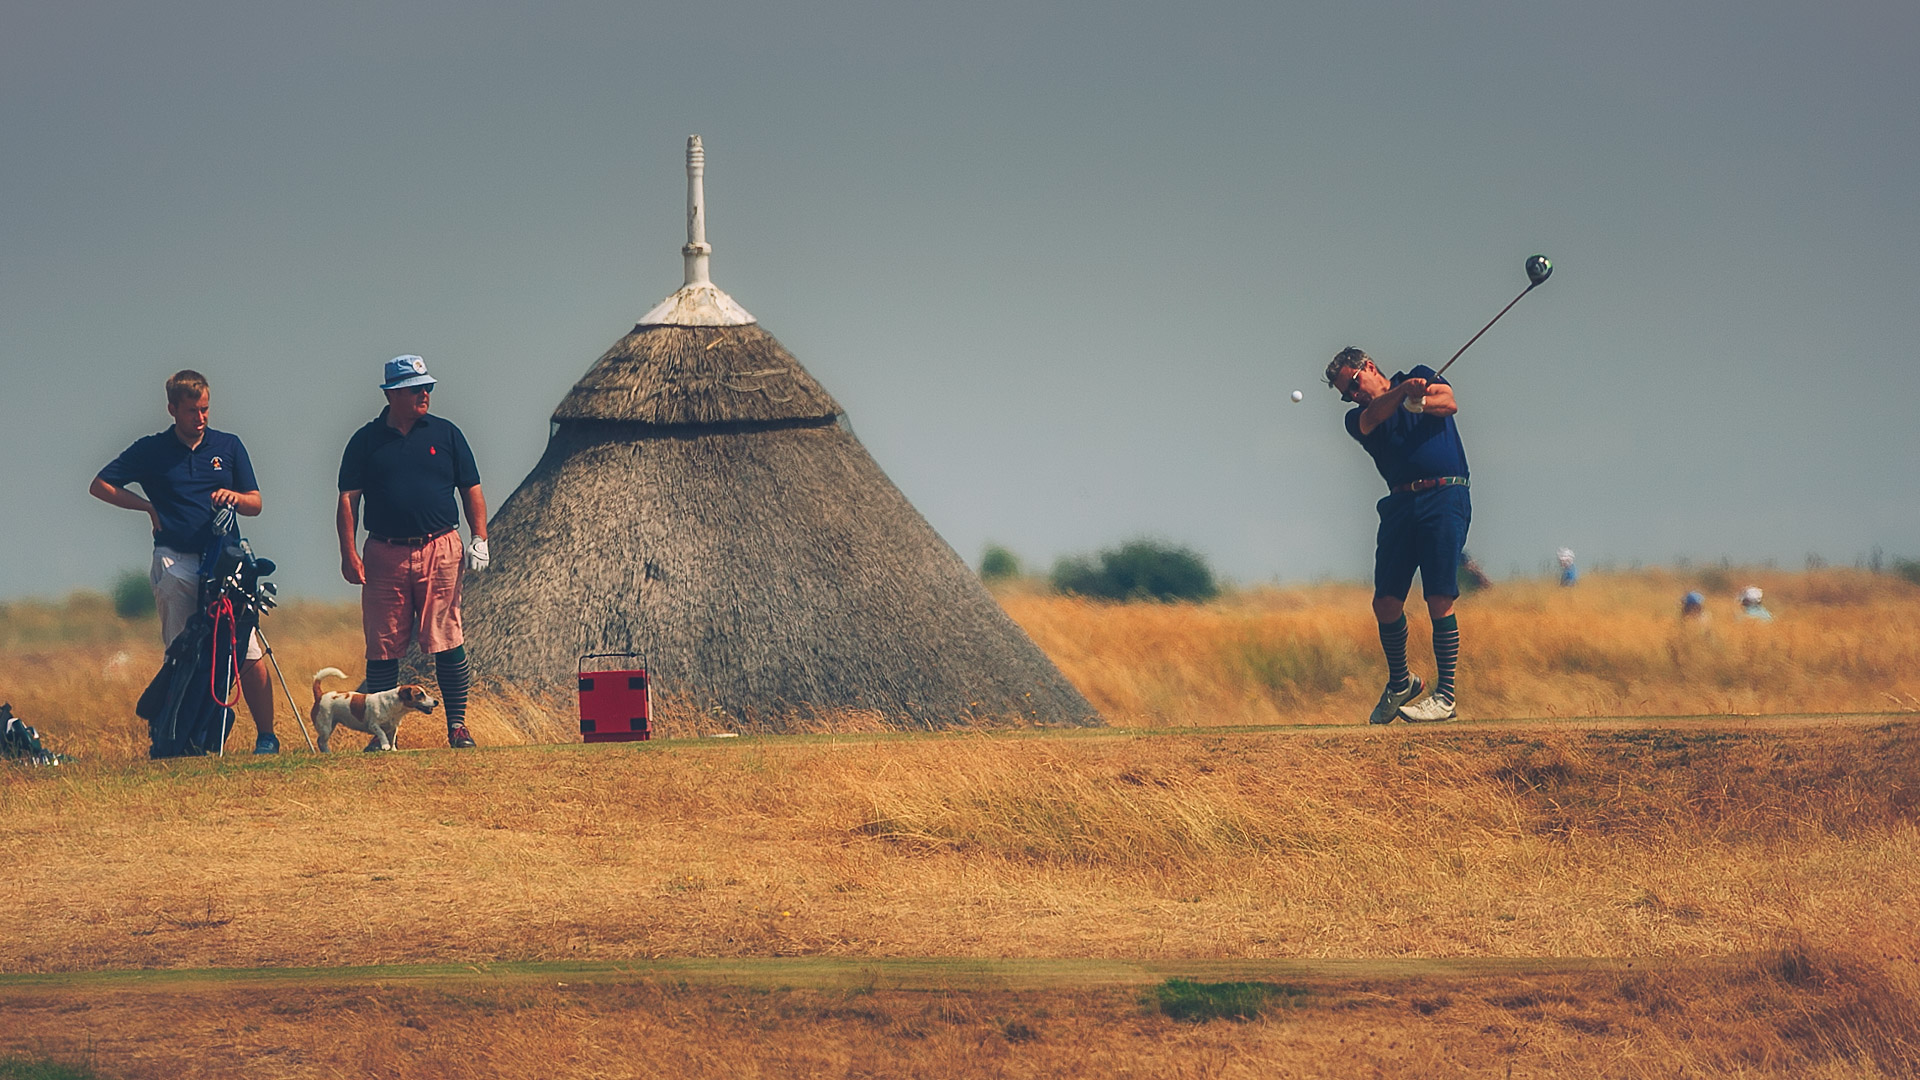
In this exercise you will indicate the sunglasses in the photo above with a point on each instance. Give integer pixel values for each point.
(1352, 385)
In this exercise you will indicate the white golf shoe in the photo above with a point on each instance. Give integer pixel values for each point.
(1431, 711)
(1391, 700)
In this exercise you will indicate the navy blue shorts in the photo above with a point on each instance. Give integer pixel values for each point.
(1424, 531)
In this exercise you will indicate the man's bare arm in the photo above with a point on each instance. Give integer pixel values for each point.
(126, 500)
(1380, 408)
(476, 503)
(244, 503)
(1440, 400)
(346, 521)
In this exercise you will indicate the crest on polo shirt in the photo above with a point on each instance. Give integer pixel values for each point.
(217, 463)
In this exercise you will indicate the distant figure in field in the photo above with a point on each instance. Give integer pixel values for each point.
(1569, 576)
(1751, 607)
(1693, 606)
(1406, 425)
(189, 472)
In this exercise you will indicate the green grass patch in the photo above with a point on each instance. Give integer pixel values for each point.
(20, 1068)
(1198, 1002)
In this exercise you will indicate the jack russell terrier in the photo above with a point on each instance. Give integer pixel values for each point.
(378, 714)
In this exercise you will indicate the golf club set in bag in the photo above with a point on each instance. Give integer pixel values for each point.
(189, 704)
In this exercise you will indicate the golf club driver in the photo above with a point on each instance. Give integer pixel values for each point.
(1539, 268)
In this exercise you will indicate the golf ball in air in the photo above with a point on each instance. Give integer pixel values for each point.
(1297, 395)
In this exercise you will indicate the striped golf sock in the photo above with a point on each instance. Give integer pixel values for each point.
(382, 675)
(450, 671)
(1446, 654)
(1393, 640)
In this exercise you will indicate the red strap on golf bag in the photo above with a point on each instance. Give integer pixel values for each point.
(224, 608)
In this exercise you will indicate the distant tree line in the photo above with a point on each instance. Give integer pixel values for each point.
(1136, 570)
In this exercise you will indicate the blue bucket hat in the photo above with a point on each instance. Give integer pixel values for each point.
(406, 371)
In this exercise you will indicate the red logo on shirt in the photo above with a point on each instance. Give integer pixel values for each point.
(432, 450)
(216, 463)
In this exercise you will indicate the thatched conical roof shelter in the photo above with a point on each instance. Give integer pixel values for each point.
(702, 502)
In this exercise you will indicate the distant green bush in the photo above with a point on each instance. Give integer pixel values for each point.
(1137, 570)
(998, 564)
(132, 595)
(1908, 568)
(1197, 1002)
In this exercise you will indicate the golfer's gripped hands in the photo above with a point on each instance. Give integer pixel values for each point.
(353, 569)
(1412, 387)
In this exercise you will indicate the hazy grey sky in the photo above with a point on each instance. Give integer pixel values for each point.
(1062, 263)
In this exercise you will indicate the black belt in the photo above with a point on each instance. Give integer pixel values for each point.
(418, 541)
(1430, 483)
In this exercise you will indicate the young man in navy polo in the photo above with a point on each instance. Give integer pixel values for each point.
(188, 472)
(1406, 424)
(408, 466)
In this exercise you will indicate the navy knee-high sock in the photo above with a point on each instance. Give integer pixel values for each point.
(382, 675)
(450, 671)
(1393, 641)
(1446, 654)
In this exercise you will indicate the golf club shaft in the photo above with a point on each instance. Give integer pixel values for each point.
(1484, 329)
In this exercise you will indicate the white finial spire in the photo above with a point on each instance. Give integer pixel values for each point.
(697, 249)
(699, 302)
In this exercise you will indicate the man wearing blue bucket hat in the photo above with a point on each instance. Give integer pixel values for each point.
(415, 473)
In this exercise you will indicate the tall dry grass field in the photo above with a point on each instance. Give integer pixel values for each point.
(1841, 641)
(1671, 843)
(1762, 871)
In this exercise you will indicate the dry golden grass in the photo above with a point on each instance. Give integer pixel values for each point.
(1782, 1016)
(1771, 865)
(1613, 646)
(1666, 841)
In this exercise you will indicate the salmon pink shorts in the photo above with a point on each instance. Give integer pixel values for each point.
(412, 589)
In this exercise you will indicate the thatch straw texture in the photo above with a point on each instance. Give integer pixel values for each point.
(764, 565)
(676, 375)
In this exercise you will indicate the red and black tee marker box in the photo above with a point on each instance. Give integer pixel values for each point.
(616, 703)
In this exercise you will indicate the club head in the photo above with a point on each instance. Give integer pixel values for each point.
(1539, 268)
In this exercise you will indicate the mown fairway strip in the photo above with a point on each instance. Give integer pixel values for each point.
(842, 973)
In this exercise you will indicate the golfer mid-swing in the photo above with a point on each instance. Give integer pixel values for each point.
(1406, 424)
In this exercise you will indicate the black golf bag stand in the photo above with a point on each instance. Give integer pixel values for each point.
(189, 705)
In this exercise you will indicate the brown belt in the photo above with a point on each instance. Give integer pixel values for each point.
(1430, 483)
(410, 541)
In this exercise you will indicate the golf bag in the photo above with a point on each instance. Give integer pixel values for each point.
(21, 743)
(188, 706)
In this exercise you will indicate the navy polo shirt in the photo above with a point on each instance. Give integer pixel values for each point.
(408, 481)
(180, 482)
(1412, 446)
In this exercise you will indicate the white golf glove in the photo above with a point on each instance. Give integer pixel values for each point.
(477, 557)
